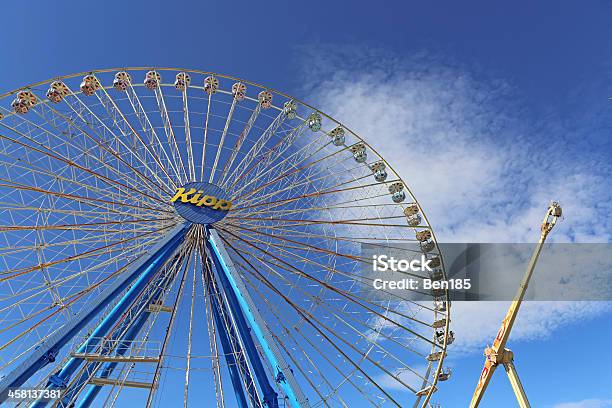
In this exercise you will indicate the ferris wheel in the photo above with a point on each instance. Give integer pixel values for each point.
(178, 237)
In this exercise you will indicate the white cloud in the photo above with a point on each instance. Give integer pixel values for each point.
(476, 323)
(480, 170)
(587, 403)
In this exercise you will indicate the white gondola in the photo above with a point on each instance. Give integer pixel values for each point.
(23, 102)
(211, 85)
(445, 374)
(379, 170)
(425, 239)
(450, 337)
(435, 262)
(152, 80)
(90, 85)
(439, 305)
(265, 99)
(436, 274)
(337, 135)
(423, 235)
(314, 121)
(122, 81)
(414, 220)
(239, 91)
(397, 192)
(439, 323)
(54, 96)
(427, 246)
(19, 106)
(182, 81)
(290, 109)
(359, 152)
(435, 356)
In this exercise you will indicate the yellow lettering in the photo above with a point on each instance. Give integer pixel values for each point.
(207, 201)
(196, 198)
(180, 193)
(223, 205)
(199, 200)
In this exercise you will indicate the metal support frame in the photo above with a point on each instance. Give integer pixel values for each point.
(498, 353)
(235, 315)
(126, 333)
(229, 340)
(244, 309)
(46, 352)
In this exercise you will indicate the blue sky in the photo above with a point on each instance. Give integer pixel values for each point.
(511, 102)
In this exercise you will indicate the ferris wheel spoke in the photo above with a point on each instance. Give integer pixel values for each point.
(327, 285)
(56, 158)
(372, 241)
(27, 167)
(228, 120)
(298, 221)
(290, 162)
(254, 151)
(86, 153)
(187, 123)
(317, 325)
(78, 198)
(154, 140)
(342, 315)
(238, 145)
(263, 159)
(366, 281)
(106, 145)
(174, 148)
(295, 180)
(205, 141)
(114, 111)
(333, 190)
(62, 227)
(105, 249)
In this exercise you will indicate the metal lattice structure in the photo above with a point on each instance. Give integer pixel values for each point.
(110, 295)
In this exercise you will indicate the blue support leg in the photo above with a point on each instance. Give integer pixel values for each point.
(127, 331)
(270, 396)
(47, 351)
(228, 352)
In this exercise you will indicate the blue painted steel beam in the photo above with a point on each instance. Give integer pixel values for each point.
(46, 352)
(270, 396)
(126, 332)
(108, 369)
(283, 374)
(228, 350)
(62, 377)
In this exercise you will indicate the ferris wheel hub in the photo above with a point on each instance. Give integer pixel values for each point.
(201, 202)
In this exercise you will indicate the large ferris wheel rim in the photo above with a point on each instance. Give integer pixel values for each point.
(230, 77)
(359, 139)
